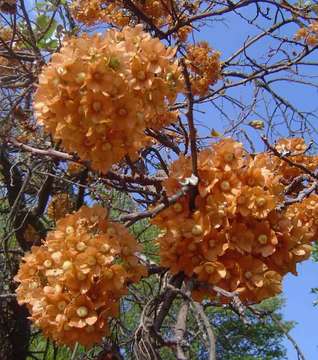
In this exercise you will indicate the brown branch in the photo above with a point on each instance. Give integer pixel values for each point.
(180, 329)
(192, 130)
(212, 340)
(133, 217)
(169, 296)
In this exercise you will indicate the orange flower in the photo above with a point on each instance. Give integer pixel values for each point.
(257, 282)
(241, 238)
(210, 272)
(255, 202)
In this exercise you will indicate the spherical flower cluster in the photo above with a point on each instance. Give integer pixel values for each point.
(100, 93)
(308, 34)
(59, 206)
(8, 6)
(118, 12)
(73, 282)
(204, 64)
(238, 237)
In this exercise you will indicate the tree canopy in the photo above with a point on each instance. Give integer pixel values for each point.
(158, 176)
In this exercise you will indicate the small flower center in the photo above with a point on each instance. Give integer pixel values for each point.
(33, 285)
(61, 70)
(114, 63)
(260, 201)
(80, 77)
(69, 230)
(170, 76)
(81, 246)
(248, 275)
(61, 305)
(197, 230)
(66, 265)
(105, 248)
(56, 256)
(47, 263)
(225, 186)
(262, 239)
(82, 311)
(209, 269)
(178, 208)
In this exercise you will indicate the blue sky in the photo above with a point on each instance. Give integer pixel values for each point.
(299, 308)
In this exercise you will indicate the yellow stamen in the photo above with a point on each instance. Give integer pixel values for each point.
(82, 311)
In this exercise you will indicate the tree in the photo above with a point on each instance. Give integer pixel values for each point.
(148, 230)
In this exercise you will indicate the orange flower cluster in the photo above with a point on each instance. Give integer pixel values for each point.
(100, 93)
(8, 6)
(59, 206)
(238, 237)
(205, 67)
(308, 34)
(7, 65)
(295, 148)
(91, 12)
(72, 284)
(117, 12)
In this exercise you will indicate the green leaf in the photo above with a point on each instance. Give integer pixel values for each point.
(43, 22)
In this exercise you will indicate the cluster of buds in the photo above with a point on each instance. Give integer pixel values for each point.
(239, 236)
(205, 67)
(99, 94)
(73, 282)
(308, 34)
(118, 12)
(7, 65)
